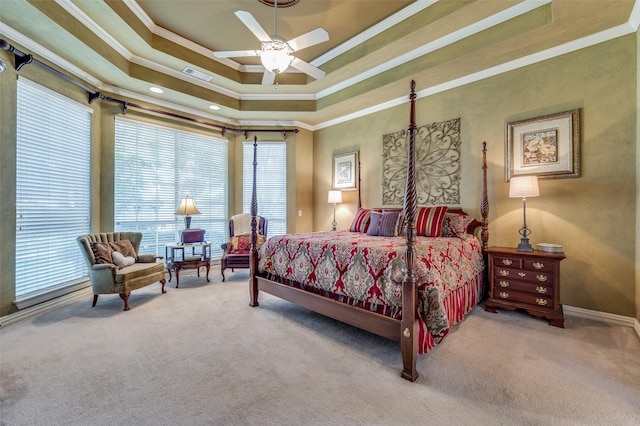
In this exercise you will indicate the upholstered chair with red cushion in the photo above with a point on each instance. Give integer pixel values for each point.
(236, 251)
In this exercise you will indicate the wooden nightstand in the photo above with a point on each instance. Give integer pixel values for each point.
(529, 281)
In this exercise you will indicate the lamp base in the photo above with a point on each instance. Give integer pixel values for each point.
(187, 222)
(524, 245)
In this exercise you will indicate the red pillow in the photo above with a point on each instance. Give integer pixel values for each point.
(361, 220)
(429, 221)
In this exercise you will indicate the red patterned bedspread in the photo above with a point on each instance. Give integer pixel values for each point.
(365, 271)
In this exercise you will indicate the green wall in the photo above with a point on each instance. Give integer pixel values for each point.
(593, 216)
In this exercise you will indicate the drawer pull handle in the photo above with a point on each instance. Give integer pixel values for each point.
(503, 284)
(541, 290)
(522, 274)
(507, 262)
(503, 295)
(541, 302)
(541, 278)
(538, 265)
(504, 273)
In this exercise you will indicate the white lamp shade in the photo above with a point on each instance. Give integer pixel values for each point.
(335, 197)
(187, 207)
(524, 186)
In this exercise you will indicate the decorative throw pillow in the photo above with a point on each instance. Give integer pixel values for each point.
(389, 223)
(455, 224)
(121, 260)
(429, 221)
(361, 221)
(102, 252)
(125, 247)
(374, 223)
(242, 243)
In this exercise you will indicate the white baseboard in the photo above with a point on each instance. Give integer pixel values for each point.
(602, 316)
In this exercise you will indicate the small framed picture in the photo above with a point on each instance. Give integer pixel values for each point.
(345, 171)
(548, 146)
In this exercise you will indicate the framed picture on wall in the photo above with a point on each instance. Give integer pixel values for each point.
(345, 171)
(548, 146)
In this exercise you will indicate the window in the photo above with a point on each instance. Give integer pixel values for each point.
(53, 191)
(155, 167)
(271, 183)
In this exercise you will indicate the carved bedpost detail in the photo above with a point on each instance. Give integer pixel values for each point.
(253, 252)
(409, 323)
(484, 204)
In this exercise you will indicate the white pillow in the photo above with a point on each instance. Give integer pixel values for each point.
(121, 260)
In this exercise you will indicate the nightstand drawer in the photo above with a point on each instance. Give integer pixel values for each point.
(539, 265)
(523, 275)
(520, 286)
(529, 299)
(508, 261)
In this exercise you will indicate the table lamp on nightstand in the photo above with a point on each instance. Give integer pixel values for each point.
(524, 186)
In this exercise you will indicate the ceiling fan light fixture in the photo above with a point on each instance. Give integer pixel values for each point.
(276, 56)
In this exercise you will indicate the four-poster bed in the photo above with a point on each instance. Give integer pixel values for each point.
(410, 289)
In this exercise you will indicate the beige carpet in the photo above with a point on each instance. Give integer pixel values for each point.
(199, 355)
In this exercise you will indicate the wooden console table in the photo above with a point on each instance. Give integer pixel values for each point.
(187, 256)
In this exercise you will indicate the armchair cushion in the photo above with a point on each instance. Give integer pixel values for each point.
(102, 252)
(125, 247)
(121, 260)
(242, 243)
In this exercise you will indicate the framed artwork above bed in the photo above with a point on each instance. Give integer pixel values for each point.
(345, 171)
(548, 146)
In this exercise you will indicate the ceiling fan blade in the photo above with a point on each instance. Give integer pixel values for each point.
(253, 25)
(235, 53)
(307, 68)
(268, 77)
(308, 39)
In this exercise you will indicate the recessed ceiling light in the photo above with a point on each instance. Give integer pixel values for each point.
(214, 107)
(156, 90)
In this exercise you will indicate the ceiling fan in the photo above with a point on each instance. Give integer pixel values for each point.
(275, 53)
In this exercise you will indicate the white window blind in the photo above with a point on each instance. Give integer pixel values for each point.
(155, 167)
(271, 183)
(53, 188)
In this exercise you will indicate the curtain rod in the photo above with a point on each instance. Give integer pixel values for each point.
(22, 59)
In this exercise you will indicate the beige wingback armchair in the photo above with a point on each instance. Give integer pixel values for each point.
(108, 277)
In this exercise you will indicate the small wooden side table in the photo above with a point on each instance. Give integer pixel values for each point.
(187, 256)
(525, 280)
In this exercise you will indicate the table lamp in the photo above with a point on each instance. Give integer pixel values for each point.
(187, 208)
(335, 197)
(524, 186)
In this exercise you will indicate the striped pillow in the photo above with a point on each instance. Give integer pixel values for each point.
(389, 224)
(361, 221)
(429, 221)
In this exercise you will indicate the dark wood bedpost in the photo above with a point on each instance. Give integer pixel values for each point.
(253, 252)
(359, 185)
(484, 204)
(409, 323)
